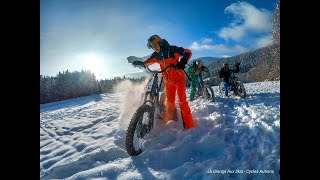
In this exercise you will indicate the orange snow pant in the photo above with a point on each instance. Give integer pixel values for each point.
(178, 87)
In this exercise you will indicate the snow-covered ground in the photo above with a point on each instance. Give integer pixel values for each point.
(84, 138)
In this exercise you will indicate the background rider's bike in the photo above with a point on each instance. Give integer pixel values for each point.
(206, 92)
(143, 120)
(234, 86)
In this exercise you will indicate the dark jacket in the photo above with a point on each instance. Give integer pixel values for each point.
(170, 54)
(169, 51)
(225, 74)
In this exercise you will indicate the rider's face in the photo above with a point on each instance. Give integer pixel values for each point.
(156, 47)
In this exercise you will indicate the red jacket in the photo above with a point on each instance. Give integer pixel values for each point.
(170, 55)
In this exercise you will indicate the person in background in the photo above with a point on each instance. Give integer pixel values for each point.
(195, 71)
(225, 73)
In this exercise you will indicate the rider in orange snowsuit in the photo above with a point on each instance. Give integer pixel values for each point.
(174, 78)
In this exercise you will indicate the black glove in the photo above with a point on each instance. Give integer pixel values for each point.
(131, 59)
(181, 65)
(138, 63)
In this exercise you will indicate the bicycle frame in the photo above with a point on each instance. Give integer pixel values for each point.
(154, 91)
(232, 81)
(152, 95)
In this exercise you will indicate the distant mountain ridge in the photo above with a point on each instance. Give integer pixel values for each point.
(206, 60)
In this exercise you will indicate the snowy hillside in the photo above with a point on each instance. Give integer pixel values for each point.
(84, 138)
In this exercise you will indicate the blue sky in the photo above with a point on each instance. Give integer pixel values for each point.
(99, 35)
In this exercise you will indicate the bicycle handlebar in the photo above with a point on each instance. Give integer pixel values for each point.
(171, 65)
(151, 71)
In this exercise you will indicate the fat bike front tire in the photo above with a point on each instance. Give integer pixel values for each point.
(137, 129)
(208, 93)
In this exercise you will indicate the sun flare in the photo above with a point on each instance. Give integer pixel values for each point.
(91, 62)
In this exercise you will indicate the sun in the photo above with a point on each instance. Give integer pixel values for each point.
(91, 62)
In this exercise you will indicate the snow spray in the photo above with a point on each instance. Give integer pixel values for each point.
(130, 95)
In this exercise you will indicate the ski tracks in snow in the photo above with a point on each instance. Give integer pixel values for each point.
(74, 138)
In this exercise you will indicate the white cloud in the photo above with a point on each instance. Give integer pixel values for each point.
(235, 33)
(264, 41)
(247, 19)
(197, 46)
(206, 40)
(220, 48)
